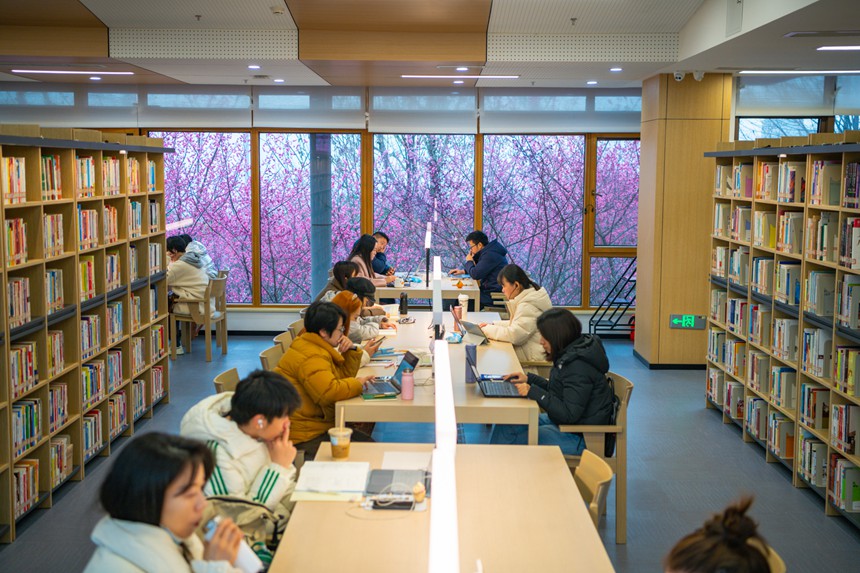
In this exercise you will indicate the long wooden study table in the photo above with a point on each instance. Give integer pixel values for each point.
(518, 510)
(423, 290)
(470, 405)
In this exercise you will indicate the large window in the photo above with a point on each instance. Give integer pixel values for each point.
(296, 168)
(208, 180)
(419, 179)
(750, 128)
(616, 193)
(533, 203)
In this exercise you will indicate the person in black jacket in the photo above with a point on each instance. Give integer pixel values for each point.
(577, 391)
(484, 261)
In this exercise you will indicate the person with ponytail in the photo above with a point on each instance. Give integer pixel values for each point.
(729, 542)
(362, 254)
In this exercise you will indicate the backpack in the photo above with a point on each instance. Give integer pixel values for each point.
(262, 527)
(609, 445)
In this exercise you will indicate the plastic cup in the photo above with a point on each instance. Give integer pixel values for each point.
(340, 439)
(398, 282)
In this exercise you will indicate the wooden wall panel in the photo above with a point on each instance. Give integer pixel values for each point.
(654, 98)
(689, 99)
(50, 41)
(391, 46)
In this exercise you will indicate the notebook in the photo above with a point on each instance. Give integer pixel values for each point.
(472, 333)
(389, 386)
(493, 385)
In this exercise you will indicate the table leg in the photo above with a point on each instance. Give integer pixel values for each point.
(533, 426)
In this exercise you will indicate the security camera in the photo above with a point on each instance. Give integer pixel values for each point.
(698, 76)
(679, 76)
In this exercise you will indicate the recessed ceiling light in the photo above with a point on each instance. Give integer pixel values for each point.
(470, 77)
(798, 72)
(462, 69)
(591, 82)
(279, 81)
(458, 82)
(614, 69)
(838, 48)
(95, 78)
(253, 67)
(75, 72)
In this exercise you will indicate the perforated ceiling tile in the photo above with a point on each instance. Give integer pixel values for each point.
(205, 44)
(583, 47)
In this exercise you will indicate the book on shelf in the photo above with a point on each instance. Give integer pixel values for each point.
(111, 176)
(820, 293)
(114, 370)
(110, 224)
(56, 353)
(780, 435)
(760, 319)
(739, 259)
(743, 180)
(736, 356)
(852, 189)
(790, 232)
(150, 176)
(154, 216)
(720, 261)
(113, 276)
(133, 175)
(821, 231)
(756, 417)
(16, 242)
(26, 425)
(133, 263)
(52, 180)
(23, 369)
(18, 291)
(843, 427)
(846, 368)
(154, 258)
(722, 219)
(767, 181)
(153, 303)
(117, 414)
(849, 301)
(758, 370)
(741, 223)
(849, 244)
(791, 186)
(783, 382)
(54, 289)
(718, 306)
(114, 316)
(135, 219)
(816, 351)
(764, 229)
(13, 180)
(736, 315)
(787, 286)
(85, 176)
(58, 406)
(723, 181)
(90, 335)
(92, 429)
(826, 182)
(716, 345)
(25, 477)
(88, 228)
(813, 460)
(815, 406)
(53, 234)
(158, 337)
(785, 338)
(734, 404)
(62, 462)
(157, 377)
(93, 387)
(716, 385)
(762, 275)
(844, 484)
(138, 393)
(135, 312)
(87, 286)
(138, 359)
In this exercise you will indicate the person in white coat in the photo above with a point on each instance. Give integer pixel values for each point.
(154, 498)
(527, 300)
(248, 431)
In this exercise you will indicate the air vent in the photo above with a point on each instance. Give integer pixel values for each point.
(824, 34)
(260, 77)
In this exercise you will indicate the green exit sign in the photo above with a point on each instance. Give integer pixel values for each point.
(687, 321)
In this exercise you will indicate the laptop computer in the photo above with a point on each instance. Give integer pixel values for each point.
(493, 385)
(389, 386)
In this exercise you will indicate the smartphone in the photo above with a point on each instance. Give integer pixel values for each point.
(377, 341)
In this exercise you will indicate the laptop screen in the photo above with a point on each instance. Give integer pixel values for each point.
(409, 361)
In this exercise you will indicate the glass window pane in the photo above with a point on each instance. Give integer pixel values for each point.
(412, 176)
(750, 128)
(285, 208)
(208, 180)
(533, 203)
(617, 201)
(605, 272)
(846, 123)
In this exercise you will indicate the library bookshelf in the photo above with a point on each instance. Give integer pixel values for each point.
(83, 336)
(784, 320)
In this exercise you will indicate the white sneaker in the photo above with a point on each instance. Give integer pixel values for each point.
(180, 351)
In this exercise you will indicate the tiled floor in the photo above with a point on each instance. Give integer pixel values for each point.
(684, 465)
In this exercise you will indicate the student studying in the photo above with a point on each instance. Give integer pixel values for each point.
(484, 261)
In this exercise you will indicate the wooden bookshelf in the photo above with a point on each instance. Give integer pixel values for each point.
(76, 181)
(783, 326)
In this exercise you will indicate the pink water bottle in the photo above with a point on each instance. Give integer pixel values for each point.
(407, 385)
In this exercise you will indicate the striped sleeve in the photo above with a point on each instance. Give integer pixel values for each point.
(215, 485)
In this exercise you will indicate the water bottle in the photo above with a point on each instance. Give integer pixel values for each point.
(246, 560)
(407, 385)
(404, 304)
(463, 299)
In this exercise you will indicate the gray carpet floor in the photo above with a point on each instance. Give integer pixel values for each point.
(684, 464)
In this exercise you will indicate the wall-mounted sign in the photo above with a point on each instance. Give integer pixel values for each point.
(687, 321)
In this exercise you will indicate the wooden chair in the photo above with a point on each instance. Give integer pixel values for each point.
(296, 327)
(214, 294)
(592, 477)
(269, 357)
(595, 437)
(284, 339)
(499, 305)
(226, 381)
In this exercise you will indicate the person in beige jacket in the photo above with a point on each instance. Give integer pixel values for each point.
(527, 300)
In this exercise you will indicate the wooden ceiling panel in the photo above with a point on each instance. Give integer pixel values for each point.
(392, 15)
(353, 73)
(67, 13)
(96, 65)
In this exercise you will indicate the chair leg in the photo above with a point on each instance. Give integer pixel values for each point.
(172, 329)
(208, 327)
(621, 491)
(224, 335)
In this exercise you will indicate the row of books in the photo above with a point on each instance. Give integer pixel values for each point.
(138, 394)
(26, 425)
(812, 465)
(767, 179)
(135, 219)
(789, 232)
(23, 369)
(733, 406)
(849, 243)
(85, 176)
(150, 176)
(720, 261)
(736, 315)
(54, 289)
(58, 406)
(16, 242)
(88, 228)
(18, 293)
(110, 224)
(111, 179)
(844, 420)
(87, 278)
(820, 293)
(138, 356)
(826, 182)
(133, 175)
(62, 462)
(13, 180)
(849, 301)
(764, 229)
(814, 406)
(758, 370)
(158, 338)
(153, 303)
(762, 275)
(133, 262)
(114, 370)
(117, 414)
(113, 276)
(135, 312)
(785, 338)
(787, 282)
(114, 319)
(25, 477)
(755, 420)
(91, 337)
(741, 225)
(791, 186)
(844, 484)
(155, 216)
(91, 423)
(93, 387)
(760, 320)
(56, 352)
(852, 189)
(52, 226)
(155, 261)
(783, 383)
(816, 350)
(157, 378)
(846, 368)
(780, 435)
(821, 236)
(52, 181)
(716, 385)
(722, 220)
(739, 259)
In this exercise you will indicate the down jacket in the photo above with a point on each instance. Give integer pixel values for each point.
(521, 330)
(488, 263)
(577, 391)
(323, 376)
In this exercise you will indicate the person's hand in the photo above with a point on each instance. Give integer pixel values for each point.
(483, 324)
(517, 378)
(281, 449)
(523, 389)
(372, 346)
(390, 271)
(456, 272)
(364, 380)
(469, 257)
(224, 545)
(345, 345)
(388, 324)
(389, 279)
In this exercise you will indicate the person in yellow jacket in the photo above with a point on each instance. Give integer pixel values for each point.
(322, 363)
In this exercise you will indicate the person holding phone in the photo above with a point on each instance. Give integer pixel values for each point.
(323, 364)
(154, 498)
(248, 431)
(575, 393)
(355, 330)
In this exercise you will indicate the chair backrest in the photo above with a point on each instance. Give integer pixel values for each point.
(284, 339)
(624, 390)
(218, 292)
(539, 367)
(226, 381)
(592, 477)
(269, 357)
(223, 273)
(296, 327)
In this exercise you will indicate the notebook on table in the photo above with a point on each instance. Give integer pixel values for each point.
(389, 386)
(472, 333)
(493, 385)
